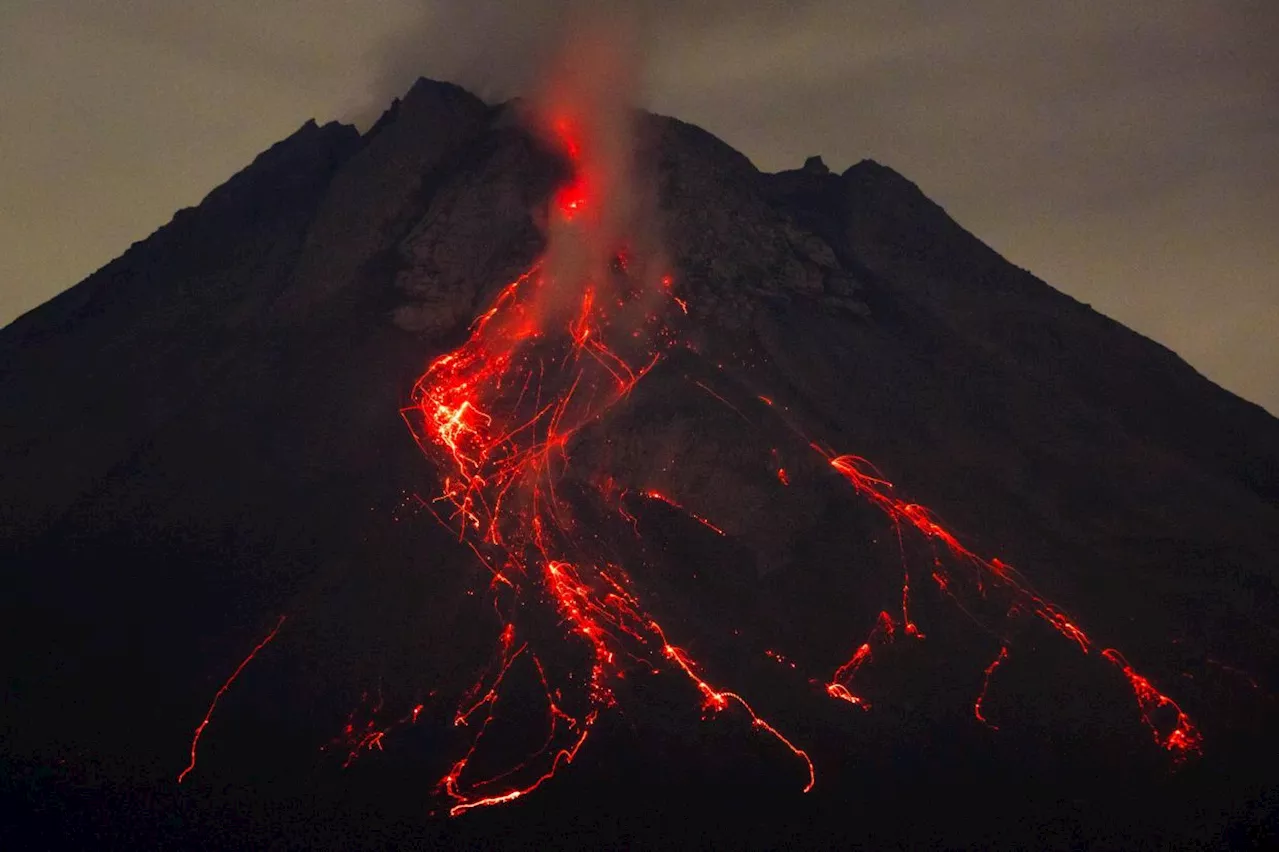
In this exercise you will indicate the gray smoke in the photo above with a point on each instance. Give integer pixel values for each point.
(498, 50)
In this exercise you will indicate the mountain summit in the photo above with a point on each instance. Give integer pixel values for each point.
(669, 551)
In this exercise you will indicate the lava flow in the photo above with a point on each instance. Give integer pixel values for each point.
(204, 723)
(560, 347)
(991, 579)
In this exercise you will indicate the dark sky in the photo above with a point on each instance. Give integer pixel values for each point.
(1123, 151)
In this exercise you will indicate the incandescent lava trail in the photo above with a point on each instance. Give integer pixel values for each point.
(988, 581)
(558, 349)
(204, 723)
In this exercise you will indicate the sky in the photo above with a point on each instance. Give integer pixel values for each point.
(1123, 152)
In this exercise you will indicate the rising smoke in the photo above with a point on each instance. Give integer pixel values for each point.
(603, 229)
(501, 50)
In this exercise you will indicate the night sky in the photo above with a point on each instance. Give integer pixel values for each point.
(1123, 152)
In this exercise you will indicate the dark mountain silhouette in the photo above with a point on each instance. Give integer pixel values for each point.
(205, 434)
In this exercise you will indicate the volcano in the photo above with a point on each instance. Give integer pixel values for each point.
(429, 485)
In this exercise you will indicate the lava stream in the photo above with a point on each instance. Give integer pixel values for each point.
(1177, 734)
(499, 414)
(204, 723)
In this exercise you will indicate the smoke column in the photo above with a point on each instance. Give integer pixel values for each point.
(604, 217)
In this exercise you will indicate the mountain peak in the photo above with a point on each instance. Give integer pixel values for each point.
(814, 165)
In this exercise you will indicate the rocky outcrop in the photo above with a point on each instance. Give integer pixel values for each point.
(388, 181)
(478, 233)
(734, 256)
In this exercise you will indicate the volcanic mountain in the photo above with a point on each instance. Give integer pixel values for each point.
(316, 499)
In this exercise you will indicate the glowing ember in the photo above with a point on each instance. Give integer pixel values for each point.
(881, 634)
(654, 495)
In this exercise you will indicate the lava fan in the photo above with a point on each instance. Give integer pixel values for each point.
(555, 353)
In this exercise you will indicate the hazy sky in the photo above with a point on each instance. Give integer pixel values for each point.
(1125, 152)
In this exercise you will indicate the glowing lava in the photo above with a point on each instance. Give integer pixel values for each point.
(500, 412)
(986, 684)
(204, 723)
(1174, 732)
(554, 353)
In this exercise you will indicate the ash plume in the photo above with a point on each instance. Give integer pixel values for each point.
(602, 230)
(500, 50)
